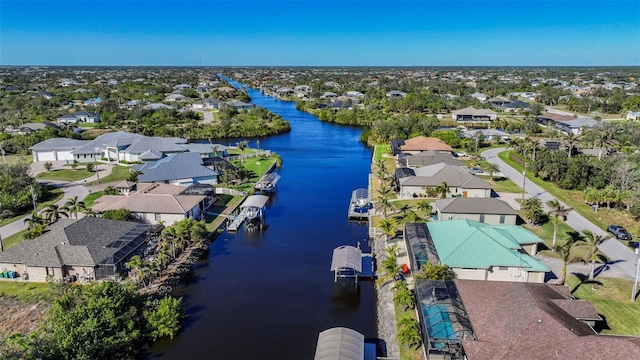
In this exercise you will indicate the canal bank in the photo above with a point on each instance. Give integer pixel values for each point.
(267, 295)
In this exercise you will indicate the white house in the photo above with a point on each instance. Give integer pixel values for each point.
(80, 116)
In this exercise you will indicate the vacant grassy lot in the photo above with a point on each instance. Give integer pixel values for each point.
(24, 290)
(612, 298)
(65, 175)
(504, 185)
(16, 159)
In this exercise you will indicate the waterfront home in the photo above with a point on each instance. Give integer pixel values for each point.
(542, 321)
(459, 182)
(80, 116)
(484, 210)
(476, 251)
(423, 143)
(238, 105)
(396, 146)
(89, 248)
(471, 114)
(181, 169)
(427, 158)
(155, 202)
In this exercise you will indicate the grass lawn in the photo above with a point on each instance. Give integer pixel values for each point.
(54, 196)
(118, 173)
(570, 198)
(545, 232)
(406, 353)
(65, 174)
(257, 169)
(24, 289)
(381, 149)
(90, 199)
(612, 300)
(226, 202)
(236, 151)
(13, 239)
(504, 185)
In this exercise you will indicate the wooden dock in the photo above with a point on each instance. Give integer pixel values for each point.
(360, 206)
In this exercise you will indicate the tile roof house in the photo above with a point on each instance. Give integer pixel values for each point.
(540, 320)
(155, 202)
(477, 251)
(471, 114)
(181, 169)
(459, 180)
(485, 210)
(90, 248)
(423, 143)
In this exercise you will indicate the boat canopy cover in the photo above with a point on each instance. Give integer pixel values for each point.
(362, 193)
(255, 201)
(340, 343)
(346, 257)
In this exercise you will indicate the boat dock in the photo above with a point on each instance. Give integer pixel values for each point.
(268, 182)
(351, 262)
(253, 208)
(360, 206)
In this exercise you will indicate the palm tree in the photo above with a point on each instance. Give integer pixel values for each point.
(571, 141)
(403, 296)
(389, 267)
(425, 207)
(90, 212)
(593, 241)
(532, 208)
(134, 264)
(408, 216)
(384, 203)
(53, 212)
(409, 333)
(34, 221)
(564, 251)
(388, 228)
(164, 255)
(442, 190)
(170, 235)
(557, 211)
(73, 206)
(133, 175)
(493, 168)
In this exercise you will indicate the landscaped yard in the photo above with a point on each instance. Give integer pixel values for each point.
(406, 353)
(24, 290)
(118, 173)
(90, 199)
(545, 232)
(613, 300)
(65, 174)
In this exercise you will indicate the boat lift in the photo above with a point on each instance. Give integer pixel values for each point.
(253, 208)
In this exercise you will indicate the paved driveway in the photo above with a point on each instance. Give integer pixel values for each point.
(622, 259)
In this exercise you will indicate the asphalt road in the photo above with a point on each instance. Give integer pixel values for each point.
(621, 258)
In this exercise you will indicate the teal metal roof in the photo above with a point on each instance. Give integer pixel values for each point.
(522, 235)
(470, 244)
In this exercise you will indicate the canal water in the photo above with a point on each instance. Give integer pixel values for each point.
(267, 295)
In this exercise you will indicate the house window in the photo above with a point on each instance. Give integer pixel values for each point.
(482, 218)
(503, 268)
(158, 217)
(502, 219)
(49, 271)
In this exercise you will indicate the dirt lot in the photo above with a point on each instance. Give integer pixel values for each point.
(19, 315)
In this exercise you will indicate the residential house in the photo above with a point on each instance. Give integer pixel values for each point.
(516, 106)
(182, 87)
(303, 88)
(460, 182)
(239, 105)
(423, 143)
(92, 101)
(476, 251)
(204, 88)
(487, 134)
(396, 145)
(56, 149)
(543, 321)
(575, 126)
(633, 115)
(175, 97)
(396, 94)
(498, 102)
(355, 94)
(29, 128)
(480, 96)
(89, 248)
(155, 202)
(484, 210)
(122, 146)
(133, 104)
(182, 169)
(157, 106)
(80, 116)
(46, 94)
(328, 95)
(471, 114)
(427, 158)
(207, 103)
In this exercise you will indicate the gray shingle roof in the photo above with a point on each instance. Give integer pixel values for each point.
(59, 143)
(475, 206)
(83, 242)
(175, 166)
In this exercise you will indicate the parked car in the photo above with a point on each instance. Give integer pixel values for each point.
(634, 244)
(475, 170)
(619, 232)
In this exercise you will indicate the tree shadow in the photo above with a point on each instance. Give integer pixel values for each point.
(584, 279)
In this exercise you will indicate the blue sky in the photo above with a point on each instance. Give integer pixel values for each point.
(322, 33)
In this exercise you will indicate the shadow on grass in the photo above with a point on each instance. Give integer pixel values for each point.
(584, 279)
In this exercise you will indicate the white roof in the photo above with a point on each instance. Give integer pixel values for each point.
(340, 343)
(346, 256)
(255, 201)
